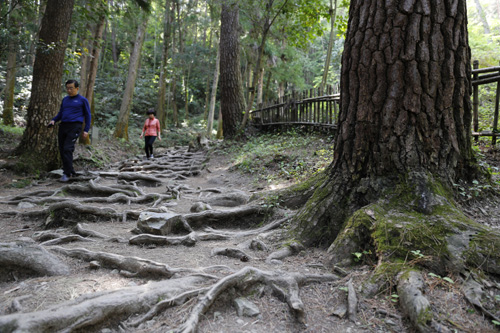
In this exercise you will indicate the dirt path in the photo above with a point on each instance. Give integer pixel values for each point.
(183, 180)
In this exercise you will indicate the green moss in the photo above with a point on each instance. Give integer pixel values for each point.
(424, 317)
(389, 269)
(484, 251)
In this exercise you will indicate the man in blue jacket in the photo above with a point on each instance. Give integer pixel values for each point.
(73, 111)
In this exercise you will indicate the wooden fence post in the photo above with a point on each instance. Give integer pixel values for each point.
(495, 117)
(475, 101)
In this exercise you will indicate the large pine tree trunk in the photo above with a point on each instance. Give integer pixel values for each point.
(231, 97)
(121, 130)
(405, 91)
(39, 142)
(404, 125)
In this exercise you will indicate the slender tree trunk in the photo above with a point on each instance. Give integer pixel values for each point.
(405, 108)
(92, 69)
(10, 84)
(210, 118)
(121, 130)
(207, 83)
(231, 97)
(162, 90)
(94, 63)
(175, 116)
(333, 13)
(482, 17)
(114, 52)
(87, 47)
(39, 142)
(268, 22)
(220, 131)
(260, 86)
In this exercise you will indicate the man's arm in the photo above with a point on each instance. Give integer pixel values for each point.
(86, 113)
(59, 114)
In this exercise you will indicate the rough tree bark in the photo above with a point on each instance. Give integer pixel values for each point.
(40, 143)
(231, 98)
(403, 139)
(121, 130)
(405, 105)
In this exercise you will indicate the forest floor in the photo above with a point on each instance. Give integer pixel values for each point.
(220, 172)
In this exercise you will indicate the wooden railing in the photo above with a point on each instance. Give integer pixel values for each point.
(313, 107)
(320, 108)
(485, 76)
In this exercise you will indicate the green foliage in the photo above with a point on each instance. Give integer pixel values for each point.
(438, 277)
(358, 256)
(11, 130)
(281, 156)
(393, 297)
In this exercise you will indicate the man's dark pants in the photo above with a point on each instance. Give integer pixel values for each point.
(67, 136)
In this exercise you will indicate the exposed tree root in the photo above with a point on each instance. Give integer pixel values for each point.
(286, 285)
(16, 303)
(287, 251)
(141, 179)
(128, 266)
(187, 240)
(80, 230)
(230, 252)
(413, 302)
(242, 216)
(66, 239)
(352, 302)
(30, 258)
(166, 304)
(473, 293)
(254, 244)
(92, 309)
(239, 234)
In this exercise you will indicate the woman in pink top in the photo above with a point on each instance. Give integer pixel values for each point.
(150, 131)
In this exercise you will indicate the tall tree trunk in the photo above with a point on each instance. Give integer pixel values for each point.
(175, 110)
(10, 84)
(207, 82)
(162, 90)
(333, 13)
(220, 131)
(38, 142)
(482, 17)
(231, 88)
(405, 110)
(268, 22)
(260, 86)
(114, 52)
(210, 118)
(92, 69)
(121, 130)
(87, 47)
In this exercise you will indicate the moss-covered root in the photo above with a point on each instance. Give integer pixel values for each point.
(413, 302)
(294, 196)
(395, 229)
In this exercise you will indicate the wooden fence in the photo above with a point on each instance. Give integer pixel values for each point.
(320, 108)
(313, 107)
(484, 76)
